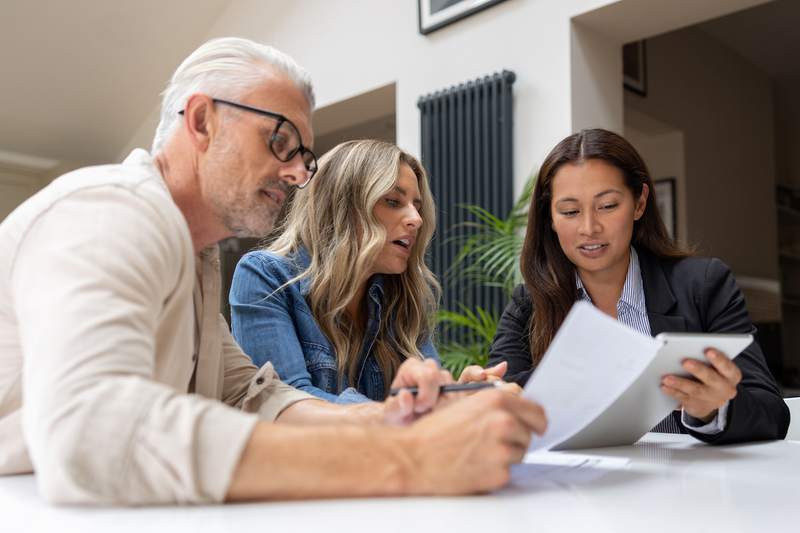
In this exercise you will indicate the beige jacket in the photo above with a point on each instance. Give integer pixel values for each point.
(106, 323)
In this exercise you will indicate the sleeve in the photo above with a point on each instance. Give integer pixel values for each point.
(758, 411)
(510, 343)
(252, 389)
(263, 326)
(715, 425)
(89, 281)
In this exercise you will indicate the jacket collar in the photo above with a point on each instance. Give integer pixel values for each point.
(658, 295)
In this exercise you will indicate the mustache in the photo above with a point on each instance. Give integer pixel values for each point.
(279, 185)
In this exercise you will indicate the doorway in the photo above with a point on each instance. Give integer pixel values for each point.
(716, 113)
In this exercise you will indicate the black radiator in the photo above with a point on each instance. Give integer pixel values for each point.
(467, 148)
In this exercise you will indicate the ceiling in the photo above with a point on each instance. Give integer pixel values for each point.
(78, 77)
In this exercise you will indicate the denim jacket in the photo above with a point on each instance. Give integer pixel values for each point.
(279, 328)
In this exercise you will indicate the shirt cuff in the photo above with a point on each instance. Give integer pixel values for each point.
(716, 425)
(269, 396)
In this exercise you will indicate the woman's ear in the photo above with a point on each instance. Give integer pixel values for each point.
(641, 202)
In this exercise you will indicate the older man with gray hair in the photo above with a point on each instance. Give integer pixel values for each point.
(119, 380)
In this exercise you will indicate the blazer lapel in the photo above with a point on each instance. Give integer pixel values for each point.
(658, 296)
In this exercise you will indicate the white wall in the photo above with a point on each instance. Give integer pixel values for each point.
(353, 46)
(565, 79)
(16, 186)
(596, 70)
(724, 107)
(18, 182)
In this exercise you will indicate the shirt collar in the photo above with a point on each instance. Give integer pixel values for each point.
(633, 290)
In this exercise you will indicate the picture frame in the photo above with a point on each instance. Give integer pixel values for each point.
(634, 67)
(666, 200)
(436, 14)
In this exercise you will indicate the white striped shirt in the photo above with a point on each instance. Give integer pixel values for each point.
(631, 306)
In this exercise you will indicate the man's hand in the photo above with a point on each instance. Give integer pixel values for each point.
(427, 377)
(469, 445)
(714, 385)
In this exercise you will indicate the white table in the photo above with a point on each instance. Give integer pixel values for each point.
(672, 483)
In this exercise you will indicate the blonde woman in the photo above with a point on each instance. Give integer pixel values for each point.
(343, 296)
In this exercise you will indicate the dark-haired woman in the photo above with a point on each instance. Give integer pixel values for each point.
(595, 234)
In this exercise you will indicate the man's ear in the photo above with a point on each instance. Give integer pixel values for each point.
(641, 203)
(198, 119)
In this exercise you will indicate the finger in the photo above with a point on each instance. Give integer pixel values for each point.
(427, 380)
(520, 436)
(719, 388)
(678, 395)
(498, 370)
(531, 414)
(506, 427)
(518, 451)
(472, 373)
(445, 377)
(704, 373)
(406, 401)
(689, 387)
(404, 373)
(400, 408)
(511, 388)
(724, 366)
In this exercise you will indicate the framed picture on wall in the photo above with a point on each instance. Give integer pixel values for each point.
(435, 14)
(666, 202)
(634, 67)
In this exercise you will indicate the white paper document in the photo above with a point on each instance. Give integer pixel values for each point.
(592, 360)
(543, 468)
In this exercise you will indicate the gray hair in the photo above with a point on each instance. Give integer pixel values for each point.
(224, 68)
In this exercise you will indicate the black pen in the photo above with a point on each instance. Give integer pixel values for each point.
(454, 387)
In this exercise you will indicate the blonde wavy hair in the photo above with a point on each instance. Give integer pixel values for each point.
(333, 219)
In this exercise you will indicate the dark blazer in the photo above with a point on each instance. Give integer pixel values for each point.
(695, 294)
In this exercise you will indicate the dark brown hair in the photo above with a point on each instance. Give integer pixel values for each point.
(548, 274)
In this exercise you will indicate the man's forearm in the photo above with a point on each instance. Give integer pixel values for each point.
(319, 412)
(290, 462)
(465, 447)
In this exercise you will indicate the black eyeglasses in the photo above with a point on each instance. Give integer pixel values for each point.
(285, 141)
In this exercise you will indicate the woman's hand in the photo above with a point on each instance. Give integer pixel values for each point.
(475, 373)
(713, 386)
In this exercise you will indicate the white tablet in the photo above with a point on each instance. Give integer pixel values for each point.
(643, 405)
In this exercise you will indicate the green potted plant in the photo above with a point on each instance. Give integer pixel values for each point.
(488, 255)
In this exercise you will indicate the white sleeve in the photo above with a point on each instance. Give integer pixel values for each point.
(88, 283)
(716, 425)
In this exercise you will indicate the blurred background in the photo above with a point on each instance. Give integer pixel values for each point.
(481, 90)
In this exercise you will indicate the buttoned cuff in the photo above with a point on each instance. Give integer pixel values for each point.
(716, 425)
(268, 396)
